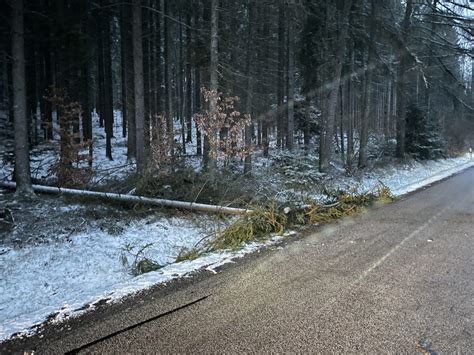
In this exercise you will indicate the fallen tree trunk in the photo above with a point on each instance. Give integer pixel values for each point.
(133, 199)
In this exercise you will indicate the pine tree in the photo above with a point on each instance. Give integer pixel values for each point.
(423, 138)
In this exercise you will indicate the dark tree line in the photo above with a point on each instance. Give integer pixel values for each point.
(322, 75)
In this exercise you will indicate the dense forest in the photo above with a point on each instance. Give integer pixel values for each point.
(226, 81)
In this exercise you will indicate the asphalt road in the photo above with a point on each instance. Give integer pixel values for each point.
(396, 279)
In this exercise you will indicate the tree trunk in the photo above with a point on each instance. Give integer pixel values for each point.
(369, 68)
(341, 127)
(281, 75)
(167, 63)
(290, 82)
(387, 120)
(127, 80)
(108, 89)
(189, 113)
(22, 159)
(197, 73)
(138, 83)
(214, 82)
(402, 81)
(107, 196)
(325, 151)
(248, 129)
(180, 87)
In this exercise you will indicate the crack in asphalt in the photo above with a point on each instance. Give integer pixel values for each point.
(97, 341)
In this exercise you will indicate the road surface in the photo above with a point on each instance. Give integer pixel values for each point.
(399, 278)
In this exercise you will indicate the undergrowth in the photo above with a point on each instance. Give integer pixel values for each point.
(262, 223)
(185, 184)
(344, 204)
(188, 254)
(258, 225)
(140, 264)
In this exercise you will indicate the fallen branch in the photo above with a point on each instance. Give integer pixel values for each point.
(305, 207)
(134, 199)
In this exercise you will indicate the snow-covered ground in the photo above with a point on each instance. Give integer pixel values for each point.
(56, 280)
(45, 155)
(409, 177)
(67, 277)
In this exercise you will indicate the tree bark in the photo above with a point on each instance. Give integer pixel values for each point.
(127, 80)
(193, 206)
(138, 83)
(108, 88)
(402, 81)
(281, 75)
(248, 129)
(167, 78)
(369, 68)
(325, 151)
(290, 82)
(22, 159)
(214, 82)
(189, 93)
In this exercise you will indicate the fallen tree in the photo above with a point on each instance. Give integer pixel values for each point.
(133, 199)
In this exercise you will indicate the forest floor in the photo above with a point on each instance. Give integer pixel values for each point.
(60, 257)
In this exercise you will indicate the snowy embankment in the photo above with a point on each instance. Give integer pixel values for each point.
(412, 177)
(55, 280)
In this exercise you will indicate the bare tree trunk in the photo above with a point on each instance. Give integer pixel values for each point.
(180, 87)
(341, 123)
(197, 73)
(214, 84)
(280, 81)
(349, 107)
(167, 78)
(265, 67)
(402, 82)
(189, 113)
(325, 150)
(290, 82)
(138, 83)
(248, 129)
(22, 158)
(86, 84)
(307, 124)
(386, 127)
(108, 97)
(127, 80)
(214, 49)
(192, 206)
(369, 68)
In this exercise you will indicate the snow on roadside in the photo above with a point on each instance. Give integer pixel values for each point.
(437, 170)
(62, 278)
(408, 178)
